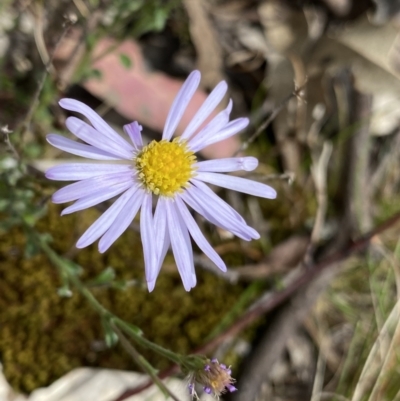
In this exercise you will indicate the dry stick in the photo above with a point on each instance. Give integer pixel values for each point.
(319, 172)
(6, 132)
(82, 8)
(230, 275)
(27, 120)
(25, 124)
(79, 49)
(284, 257)
(288, 176)
(267, 122)
(39, 37)
(280, 297)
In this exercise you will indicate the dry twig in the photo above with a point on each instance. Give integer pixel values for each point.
(25, 125)
(6, 132)
(296, 93)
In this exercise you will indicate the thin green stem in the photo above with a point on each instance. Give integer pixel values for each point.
(65, 269)
(142, 362)
(144, 342)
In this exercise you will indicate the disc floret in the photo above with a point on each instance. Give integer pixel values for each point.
(164, 167)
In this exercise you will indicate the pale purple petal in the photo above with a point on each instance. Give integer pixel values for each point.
(165, 246)
(215, 125)
(103, 223)
(147, 234)
(181, 245)
(134, 131)
(97, 197)
(82, 171)
(212, 101)
(79, 149)
(232, 128)
(198, 236)
(238, 184)
(88, 134)
(122, 221)
(214, 198)
(222, 211)
(160, 230)
(180, 104)
(151, 285)
(96, 121)
(231, 388)
(218, 215)
(229, 164)
(194, 278)
(86, 187)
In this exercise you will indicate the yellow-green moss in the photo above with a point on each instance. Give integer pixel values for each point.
(43, 336)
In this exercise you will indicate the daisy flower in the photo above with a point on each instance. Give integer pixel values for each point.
(165, 170)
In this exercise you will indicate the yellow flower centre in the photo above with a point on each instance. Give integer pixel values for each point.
(165, 168)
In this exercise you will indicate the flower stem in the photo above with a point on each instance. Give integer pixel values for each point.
(66, 269)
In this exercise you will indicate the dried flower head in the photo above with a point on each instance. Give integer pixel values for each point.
(215, 378)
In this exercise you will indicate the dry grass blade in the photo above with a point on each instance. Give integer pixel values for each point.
(374, 361)
(389, 365)
(319, 379)
(392, 259)
(319, 172)
(25, 125)
(296, 93)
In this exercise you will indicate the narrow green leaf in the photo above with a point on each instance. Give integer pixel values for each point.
(125, 61)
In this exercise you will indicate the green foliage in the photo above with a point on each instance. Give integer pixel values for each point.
(125, 61)
(18, 196)
(140, 16)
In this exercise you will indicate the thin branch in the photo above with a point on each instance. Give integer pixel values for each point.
(27, 120)
(6, 132)
(319, 171)
(230, 275)
(38, 35)
(297, 92)
(79, 50)
(287, 176)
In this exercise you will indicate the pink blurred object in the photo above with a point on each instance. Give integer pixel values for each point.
(145, 96)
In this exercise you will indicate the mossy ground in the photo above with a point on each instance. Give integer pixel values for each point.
(43, 335)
